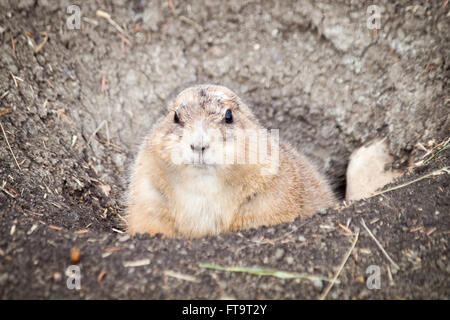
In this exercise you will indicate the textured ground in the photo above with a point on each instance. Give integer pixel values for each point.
(75, 109)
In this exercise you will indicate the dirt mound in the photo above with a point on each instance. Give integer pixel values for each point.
(74, 104)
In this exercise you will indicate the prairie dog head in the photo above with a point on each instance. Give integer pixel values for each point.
(203, 129)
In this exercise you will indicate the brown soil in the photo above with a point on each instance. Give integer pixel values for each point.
(75, 111)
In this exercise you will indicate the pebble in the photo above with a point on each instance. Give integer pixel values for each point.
(57, 276)
(75, 255)
(279, 254)
(124, 238)
(289, 260)
(317, 283)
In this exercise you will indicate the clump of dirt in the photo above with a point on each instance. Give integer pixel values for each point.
(75, 103)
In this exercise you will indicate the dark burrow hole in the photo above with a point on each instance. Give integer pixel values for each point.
(339, 186)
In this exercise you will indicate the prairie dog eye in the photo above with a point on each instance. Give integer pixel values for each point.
(176, 119)
(228, 116)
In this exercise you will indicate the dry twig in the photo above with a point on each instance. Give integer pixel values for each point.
(379, 244)
(10, 149)
(344, 261)
(107, 16)
(434, 173)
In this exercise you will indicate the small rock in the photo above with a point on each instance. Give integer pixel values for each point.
(75, 255)
(3, 279)
(441, 265)
(57, 276)
(279, 254)
(289, 260)
(124, 238)
(318, 284)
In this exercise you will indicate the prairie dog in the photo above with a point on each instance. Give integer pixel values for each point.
(366, 172)
(188, 179)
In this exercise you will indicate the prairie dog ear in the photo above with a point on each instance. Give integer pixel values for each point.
(171, 107)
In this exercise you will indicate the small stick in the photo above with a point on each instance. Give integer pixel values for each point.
(192, 23)
(107, 133)
(107, 16)
(171, 5)
(4, 94)
(434, 173)
(111, 144)
(6, 138)
(124, 40)
(97, 130)
(423, 148)
(14, 79)
(391, 280)
(101, 275)
(431, 231)
(180, 276)
(41, 45)
(91, 21)
(13, 43)
(122, 218)
(137, 263)
(6, 191)
(347, 230)
(445, 147)
(4, 111)
(379, 245)
(58, 228)
(49, 83)
(82, 231)
(344, 261)
(103, 83)
(416, 229)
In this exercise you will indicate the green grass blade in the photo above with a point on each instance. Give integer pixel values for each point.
(260, 271)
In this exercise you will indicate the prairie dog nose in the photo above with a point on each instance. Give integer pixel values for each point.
(199, 148)
(200, 139)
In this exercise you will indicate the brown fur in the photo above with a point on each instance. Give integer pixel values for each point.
(183, 200)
